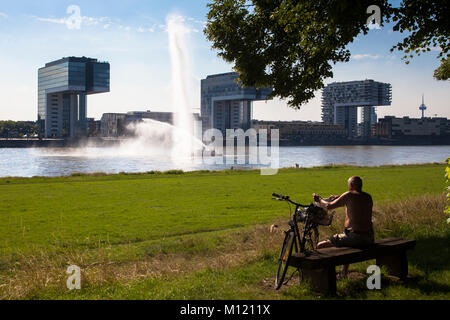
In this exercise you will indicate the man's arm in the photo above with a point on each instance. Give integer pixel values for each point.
(331, 198)
(329, 205)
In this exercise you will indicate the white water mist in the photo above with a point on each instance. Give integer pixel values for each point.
(157, 138)
(183, 144)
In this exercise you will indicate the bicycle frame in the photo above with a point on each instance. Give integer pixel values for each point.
(300, 241)
(302, 237)
(294, 240)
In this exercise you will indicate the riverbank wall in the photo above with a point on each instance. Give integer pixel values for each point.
(58, 143)
(111, 142)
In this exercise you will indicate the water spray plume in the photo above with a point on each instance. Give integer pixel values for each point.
(179, 56)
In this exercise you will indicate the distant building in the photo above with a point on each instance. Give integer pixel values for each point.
(341, 100)
(158, 116)
(115, 124)
(93, 127)
(112, 124)
(392, 127)
(62, 89)
(226, 104)
(302, 131)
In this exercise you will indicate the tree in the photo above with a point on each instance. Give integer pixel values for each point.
(291, 45)
(19, 128)
(428, 25)
(443, 72)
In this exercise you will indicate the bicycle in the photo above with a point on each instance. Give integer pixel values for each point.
(311, 216)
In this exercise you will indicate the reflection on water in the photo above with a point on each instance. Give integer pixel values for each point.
(58, 162)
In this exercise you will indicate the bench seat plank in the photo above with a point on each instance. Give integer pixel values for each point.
(339, 256)
(320, 265)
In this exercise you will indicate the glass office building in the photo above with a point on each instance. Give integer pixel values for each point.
(62, 89)
(341, 100)
(225, 104)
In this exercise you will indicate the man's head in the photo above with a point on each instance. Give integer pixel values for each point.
(355, 184)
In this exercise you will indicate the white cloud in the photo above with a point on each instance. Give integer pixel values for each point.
(366, 56)
(185, 21)
(200, 22)
(3, 15)
(122, 27)
(93, 21)
(142, 29)
(196, 20)
(83, 20)
(74, 22)
(53, 20)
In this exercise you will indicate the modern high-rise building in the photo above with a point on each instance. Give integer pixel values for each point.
(62, 89)
(226, 104)
(340, 102)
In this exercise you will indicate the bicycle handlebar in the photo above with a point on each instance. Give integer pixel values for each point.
(286, 198)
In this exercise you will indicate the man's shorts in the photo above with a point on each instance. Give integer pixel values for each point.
(351, 239)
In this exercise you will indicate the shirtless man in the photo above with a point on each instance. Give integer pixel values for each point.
(358, 230)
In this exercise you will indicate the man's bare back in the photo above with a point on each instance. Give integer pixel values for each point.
(358, 230)
(358, 210)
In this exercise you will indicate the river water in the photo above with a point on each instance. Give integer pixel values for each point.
(61, 162)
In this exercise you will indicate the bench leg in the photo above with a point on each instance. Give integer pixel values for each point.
(396, 264)
(322, 280)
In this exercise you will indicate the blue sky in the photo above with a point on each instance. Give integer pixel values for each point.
(132, 36)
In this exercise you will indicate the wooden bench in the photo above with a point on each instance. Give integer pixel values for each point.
(320, 266)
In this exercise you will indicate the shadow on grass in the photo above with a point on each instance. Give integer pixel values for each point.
(356, 289)
(431, 255)
(426, 285)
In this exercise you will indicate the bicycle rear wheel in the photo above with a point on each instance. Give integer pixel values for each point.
(283, 260)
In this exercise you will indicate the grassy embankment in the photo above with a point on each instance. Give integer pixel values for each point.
(204, 235)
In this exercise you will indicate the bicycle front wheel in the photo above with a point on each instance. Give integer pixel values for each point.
(311, 240)
(283, 260)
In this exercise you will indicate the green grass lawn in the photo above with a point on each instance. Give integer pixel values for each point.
(121, 220)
